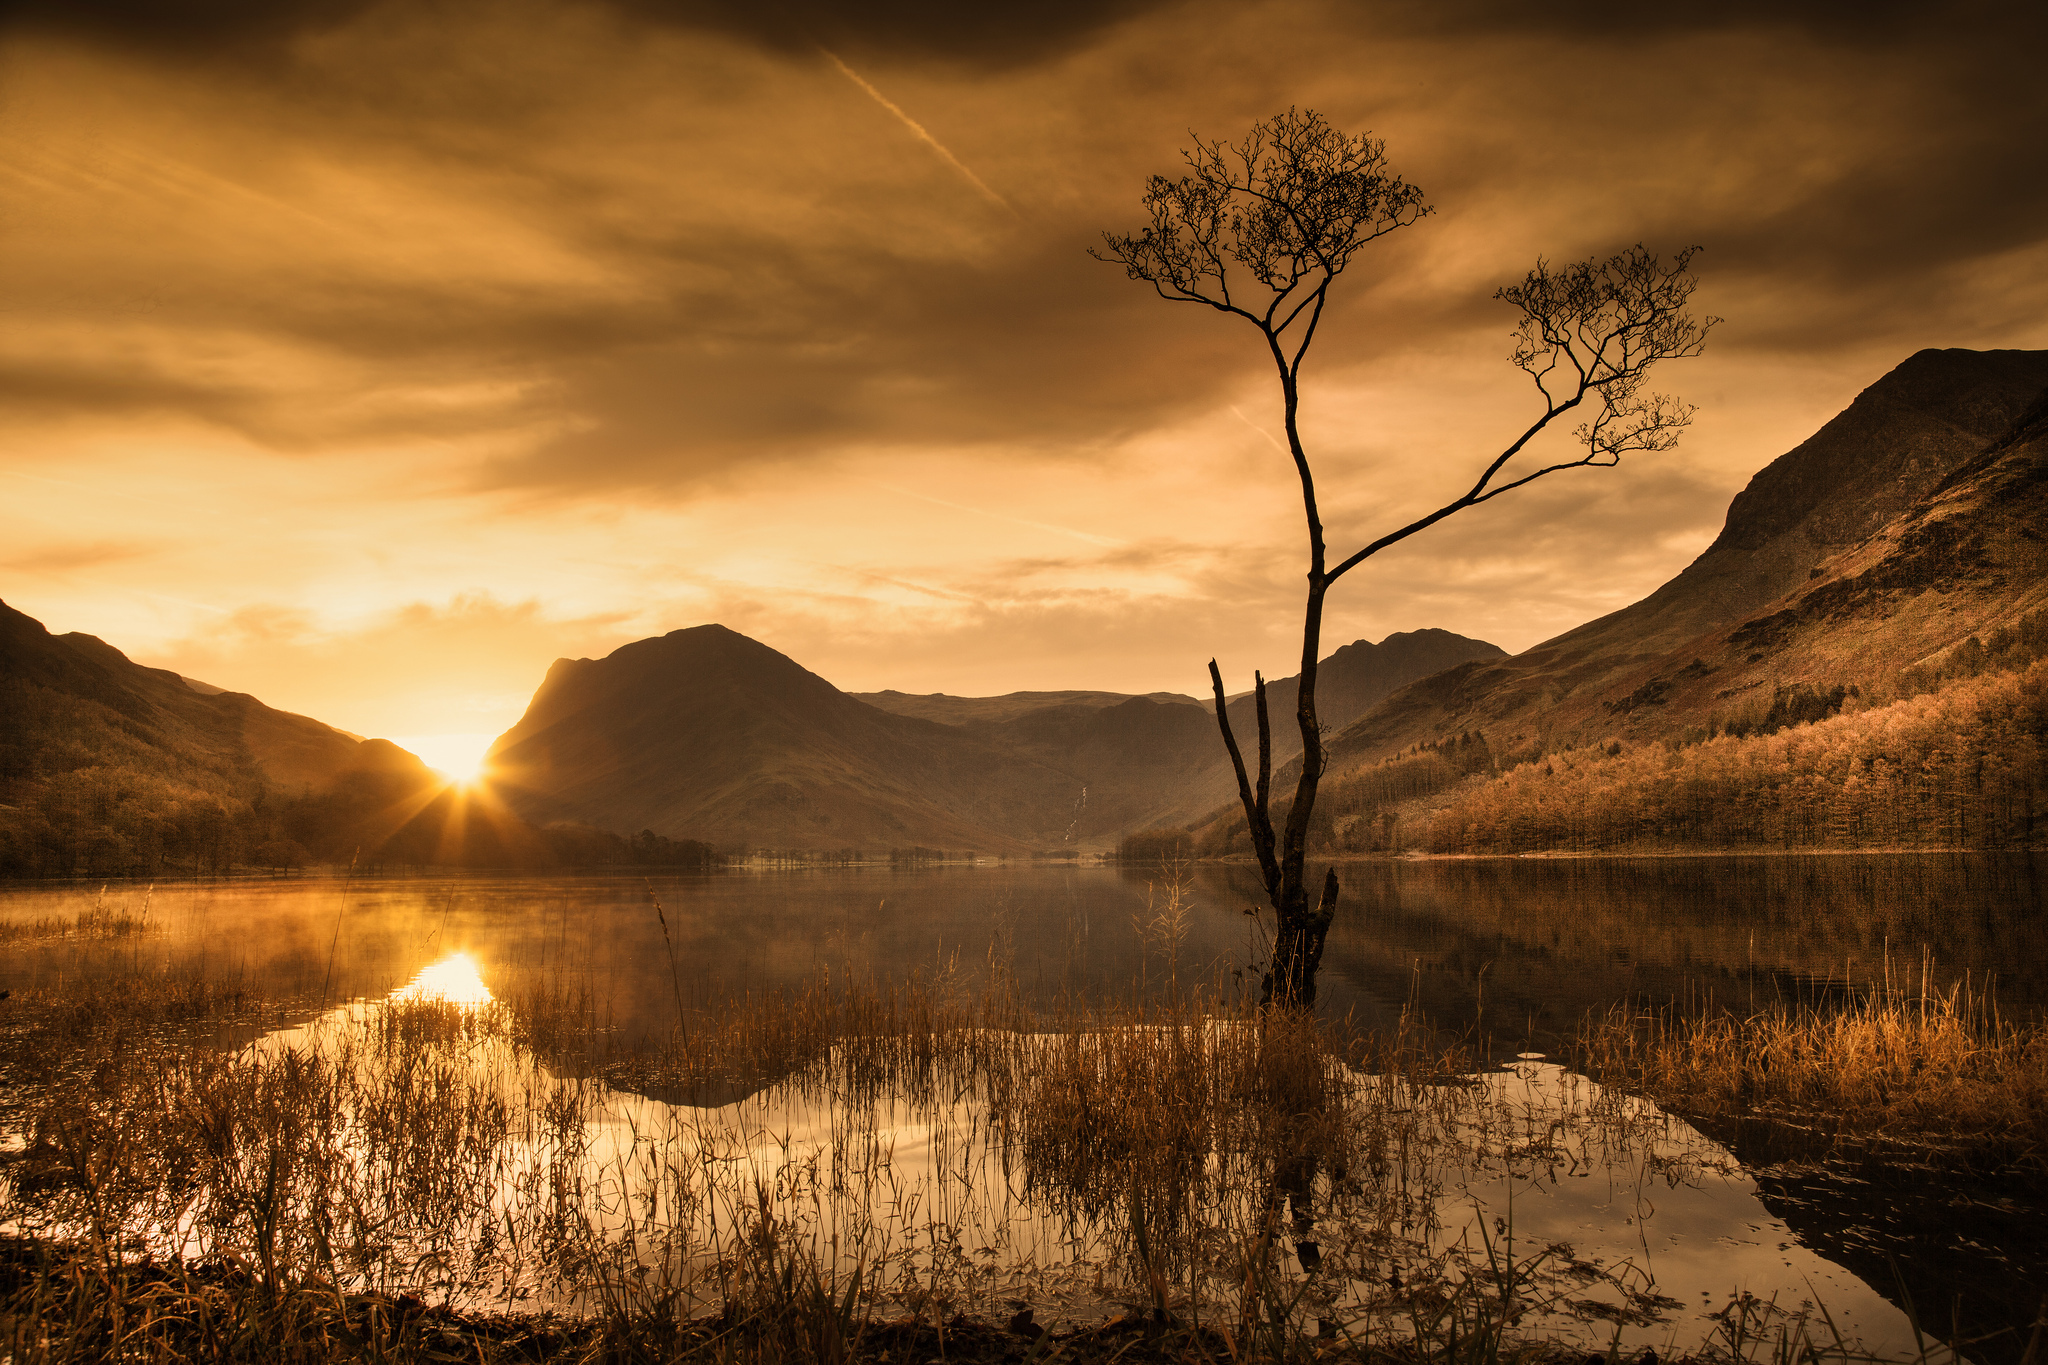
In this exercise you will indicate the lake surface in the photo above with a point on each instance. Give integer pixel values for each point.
(1517, 950)
(1524, 946)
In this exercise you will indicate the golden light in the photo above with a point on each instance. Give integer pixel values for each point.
(454, 978)
(459, 758)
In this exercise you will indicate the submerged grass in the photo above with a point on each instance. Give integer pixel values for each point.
(416, 1181)
(1894, 1065)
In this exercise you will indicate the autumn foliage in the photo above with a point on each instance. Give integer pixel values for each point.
(1958, 768)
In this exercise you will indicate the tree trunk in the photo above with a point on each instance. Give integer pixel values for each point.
(1298, 947)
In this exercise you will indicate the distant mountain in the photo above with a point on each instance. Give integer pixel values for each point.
(1354, 680)
(706, 734)
(950, 710)
(1907, 524)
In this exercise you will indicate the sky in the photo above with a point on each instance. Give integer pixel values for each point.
(370, 356)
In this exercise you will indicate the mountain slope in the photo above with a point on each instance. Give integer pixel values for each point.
(108, 768)
(1354, 680)
(707, 734)
(230, 734)
(1904, 525)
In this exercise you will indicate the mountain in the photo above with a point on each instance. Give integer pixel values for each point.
(949, 710)
(1910, 522)
(110, 768)
(213, 730)
(1352, 681)
(706, 734)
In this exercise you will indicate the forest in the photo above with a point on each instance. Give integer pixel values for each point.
(1953, 761)
(1956, 768)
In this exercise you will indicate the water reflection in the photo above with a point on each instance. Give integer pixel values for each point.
(454, 980)
(1518, 949)
(1629, 1225)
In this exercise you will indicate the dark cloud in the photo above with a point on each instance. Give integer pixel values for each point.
(1043, 348)
(994, 35)
(873, 299)
(185, 27)
(990, 36)
(1874, 22)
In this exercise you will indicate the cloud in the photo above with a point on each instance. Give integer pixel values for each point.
(668, 249)
(983, 36)
(467, 665)
(67, 557)
(580, 300)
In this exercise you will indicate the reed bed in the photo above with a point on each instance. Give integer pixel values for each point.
(98, 921)
(1894, 1064)
(412, 1180)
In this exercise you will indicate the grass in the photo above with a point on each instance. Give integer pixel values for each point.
(98, 922)
(413, 1181)
(1896, 1066)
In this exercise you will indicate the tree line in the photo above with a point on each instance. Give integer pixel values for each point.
(1961, 767)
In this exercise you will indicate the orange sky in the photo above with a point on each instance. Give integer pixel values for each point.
(368, 357)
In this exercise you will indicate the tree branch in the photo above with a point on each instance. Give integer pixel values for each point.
(1261, 829)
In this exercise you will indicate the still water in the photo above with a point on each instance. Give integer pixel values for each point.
(1514, 950)
(1522, 946)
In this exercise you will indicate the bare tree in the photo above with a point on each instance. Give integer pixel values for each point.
(1260, 230)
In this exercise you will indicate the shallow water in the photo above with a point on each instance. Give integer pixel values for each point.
(1522, 946)
(1630, 1225)
(1519, 948)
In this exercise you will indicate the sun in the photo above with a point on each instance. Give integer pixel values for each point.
(459, 758)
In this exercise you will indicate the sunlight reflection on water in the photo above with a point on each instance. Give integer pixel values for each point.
(1645, 1229)
(454, 980)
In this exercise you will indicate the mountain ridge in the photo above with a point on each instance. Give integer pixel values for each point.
(707, 734)
(1719, 636)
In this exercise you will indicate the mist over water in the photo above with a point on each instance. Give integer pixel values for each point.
(1520, 947)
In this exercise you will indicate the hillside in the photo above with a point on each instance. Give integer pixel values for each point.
(110, 768)
(1905, 525)
(707, 733)
(1355, 679)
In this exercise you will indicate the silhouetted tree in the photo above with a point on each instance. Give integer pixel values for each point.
(1260, 230)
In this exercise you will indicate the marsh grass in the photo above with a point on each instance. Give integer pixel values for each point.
(412, 1180)
(1895, 1067)
(98, 921)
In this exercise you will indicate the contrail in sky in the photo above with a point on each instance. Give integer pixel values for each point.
(1271, 439)
(914, 126)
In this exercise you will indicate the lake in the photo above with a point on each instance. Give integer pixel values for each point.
(1510, 952)
(1524, 946)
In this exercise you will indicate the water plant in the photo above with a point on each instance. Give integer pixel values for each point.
(833, 1172)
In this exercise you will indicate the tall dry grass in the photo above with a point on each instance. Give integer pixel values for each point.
(98, 921)
(1895, 1062)
(413, 1181)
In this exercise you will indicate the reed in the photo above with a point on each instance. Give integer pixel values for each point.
(100, 920)
(1897, 1061)
(413, 1181)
